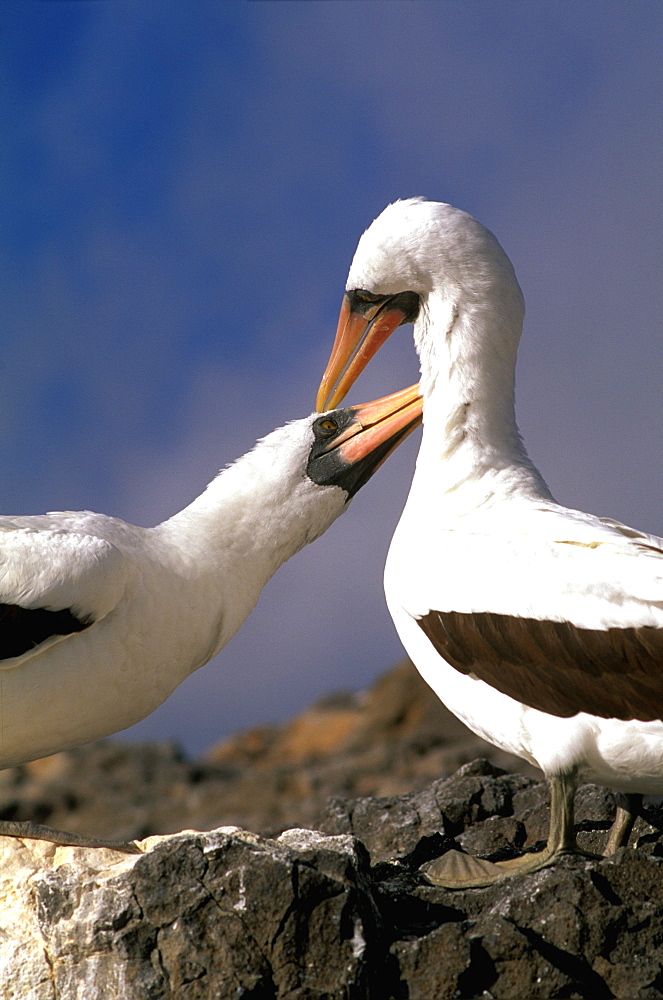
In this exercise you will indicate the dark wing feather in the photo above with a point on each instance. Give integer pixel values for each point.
(615, 673)
(22, 629)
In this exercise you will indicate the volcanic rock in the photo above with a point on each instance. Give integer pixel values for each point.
(344, 914)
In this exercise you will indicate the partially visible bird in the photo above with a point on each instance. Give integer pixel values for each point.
(101, 620)
(539, 626)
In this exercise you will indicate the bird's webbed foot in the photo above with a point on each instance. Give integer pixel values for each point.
(34, 831)
(456, 870)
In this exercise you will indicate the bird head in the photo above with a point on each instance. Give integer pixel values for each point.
(415, 250)
(350, 444)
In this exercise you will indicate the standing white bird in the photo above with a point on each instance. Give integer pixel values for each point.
(101, 620)
(539, 626)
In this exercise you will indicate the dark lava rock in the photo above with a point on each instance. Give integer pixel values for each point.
(311, 915)
(582, 928)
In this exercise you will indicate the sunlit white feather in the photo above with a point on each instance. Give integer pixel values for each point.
(481, 530)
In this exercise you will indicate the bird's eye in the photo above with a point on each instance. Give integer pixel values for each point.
(328, 424)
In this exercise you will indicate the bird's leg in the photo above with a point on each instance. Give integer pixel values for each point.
(455, 870)
(628, 808)
(34, 831)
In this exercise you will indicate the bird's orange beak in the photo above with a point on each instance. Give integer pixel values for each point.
(380, 424)
(360, 438)
(358, 337)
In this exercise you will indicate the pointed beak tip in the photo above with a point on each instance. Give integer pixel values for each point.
(358, 338)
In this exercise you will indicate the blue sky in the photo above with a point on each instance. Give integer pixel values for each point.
(183, 187)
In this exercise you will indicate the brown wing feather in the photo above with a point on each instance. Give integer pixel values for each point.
(616, 673)
(24, 628)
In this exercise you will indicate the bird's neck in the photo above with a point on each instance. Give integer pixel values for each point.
(237, 533)
(470, 442)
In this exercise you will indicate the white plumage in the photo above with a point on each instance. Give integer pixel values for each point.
(100, 620)
(539, 626)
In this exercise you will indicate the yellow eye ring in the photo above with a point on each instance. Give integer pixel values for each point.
(328, 425)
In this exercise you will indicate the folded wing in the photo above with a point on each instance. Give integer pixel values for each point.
(54, 582)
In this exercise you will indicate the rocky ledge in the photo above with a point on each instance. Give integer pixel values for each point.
(341, 912)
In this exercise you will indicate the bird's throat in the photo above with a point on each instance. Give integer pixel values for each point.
(467, 380)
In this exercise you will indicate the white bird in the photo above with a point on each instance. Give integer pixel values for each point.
(101, 620)
(539, 626)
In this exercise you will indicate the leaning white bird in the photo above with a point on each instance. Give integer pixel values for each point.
(100, 620)
(539, 626)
